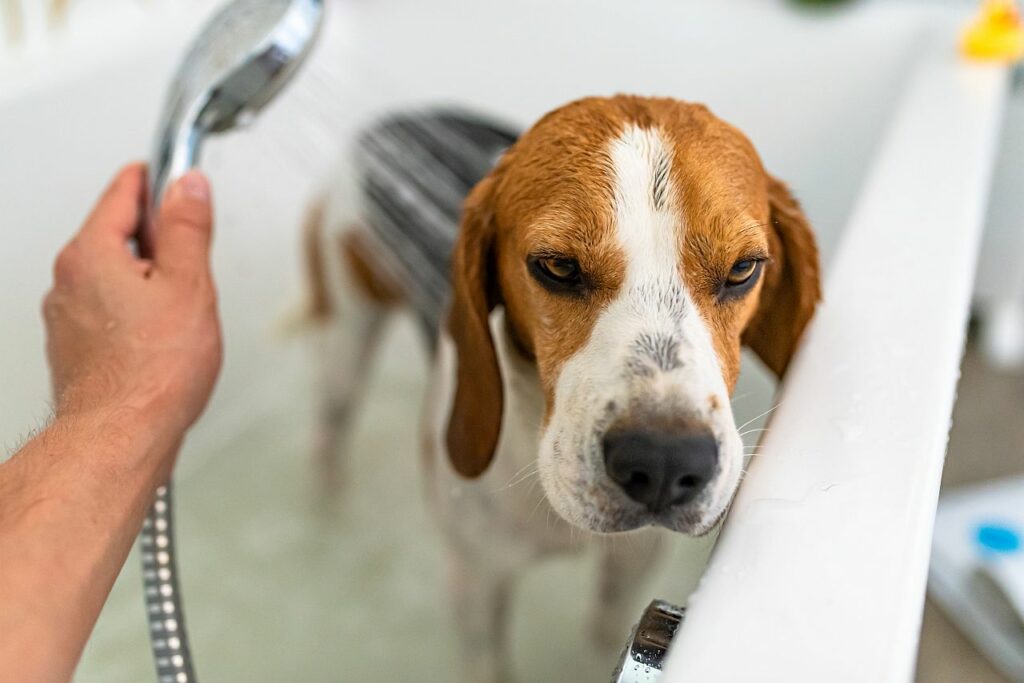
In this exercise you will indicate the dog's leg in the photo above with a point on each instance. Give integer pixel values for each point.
(480, 596)
(346, 349)
(623, 572)
(350, 310)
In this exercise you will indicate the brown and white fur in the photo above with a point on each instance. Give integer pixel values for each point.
(656, 201)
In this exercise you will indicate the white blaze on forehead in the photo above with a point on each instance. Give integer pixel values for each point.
(651, 327)
(650, 227)
(644, 199)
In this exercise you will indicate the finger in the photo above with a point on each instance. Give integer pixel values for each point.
(181, 239)
(116, 216)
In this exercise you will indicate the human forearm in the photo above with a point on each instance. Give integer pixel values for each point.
(134, 350)
(71, 502)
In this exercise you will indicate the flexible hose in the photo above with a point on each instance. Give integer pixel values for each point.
(166, 619)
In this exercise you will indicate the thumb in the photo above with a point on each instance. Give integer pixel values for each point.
(184, 226)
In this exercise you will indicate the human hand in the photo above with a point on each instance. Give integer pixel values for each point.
(133, 336)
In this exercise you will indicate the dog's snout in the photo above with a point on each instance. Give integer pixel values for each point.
(661, 469)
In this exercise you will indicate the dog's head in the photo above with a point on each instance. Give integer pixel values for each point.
(635, 245)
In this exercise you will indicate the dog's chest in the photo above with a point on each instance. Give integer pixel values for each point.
(505, 514)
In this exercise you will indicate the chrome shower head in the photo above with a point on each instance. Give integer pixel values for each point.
(242, 58)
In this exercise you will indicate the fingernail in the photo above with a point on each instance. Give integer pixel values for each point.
(194, 184)
(125, 174)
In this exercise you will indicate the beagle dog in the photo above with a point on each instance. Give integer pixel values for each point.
(587, 302)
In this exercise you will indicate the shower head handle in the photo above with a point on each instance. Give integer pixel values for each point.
(243, 57)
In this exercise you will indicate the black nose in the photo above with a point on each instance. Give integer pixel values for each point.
(660, 469)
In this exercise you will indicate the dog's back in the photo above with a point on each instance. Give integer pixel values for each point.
(414, 171)
(385, 240)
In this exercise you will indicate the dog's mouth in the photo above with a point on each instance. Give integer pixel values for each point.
(698, 523)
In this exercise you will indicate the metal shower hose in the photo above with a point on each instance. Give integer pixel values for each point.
(162, 594)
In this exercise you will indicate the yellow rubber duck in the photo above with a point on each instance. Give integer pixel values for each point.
(996, 34)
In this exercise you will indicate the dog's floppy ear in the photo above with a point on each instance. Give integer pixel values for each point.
(475, 420)
(792, 286)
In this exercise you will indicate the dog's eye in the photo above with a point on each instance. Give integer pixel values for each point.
(556, 273)
(741, 278)
(561, 269)
(741, 272)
